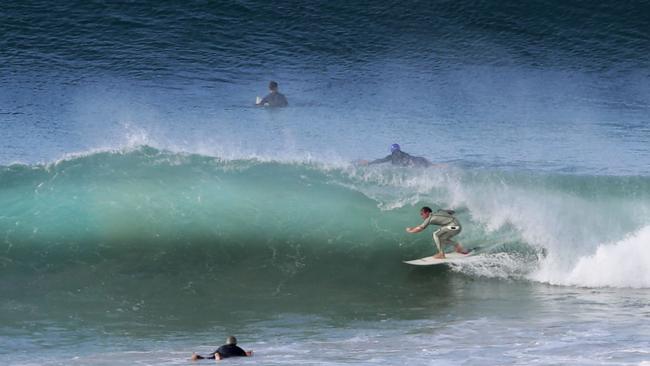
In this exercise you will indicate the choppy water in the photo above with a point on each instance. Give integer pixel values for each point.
(148, 210)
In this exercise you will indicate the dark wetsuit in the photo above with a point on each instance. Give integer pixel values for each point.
(403, 159)
(274, 99)
(230, 350)
(225, 351)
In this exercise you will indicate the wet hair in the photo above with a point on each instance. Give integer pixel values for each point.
(273, 85)
(231, 340)
(426, 209)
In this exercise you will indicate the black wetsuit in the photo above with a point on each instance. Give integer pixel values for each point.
(225, 351)
(230, 350)
(401, 158)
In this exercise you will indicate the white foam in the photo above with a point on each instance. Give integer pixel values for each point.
(625, 263)
(496, 265)
(570, 225)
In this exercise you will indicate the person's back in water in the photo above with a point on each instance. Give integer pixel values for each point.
(400, 158)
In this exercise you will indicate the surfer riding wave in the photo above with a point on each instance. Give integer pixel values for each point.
(449, 227)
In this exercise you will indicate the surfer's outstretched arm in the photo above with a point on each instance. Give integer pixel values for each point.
(380, 161)
(414, 230)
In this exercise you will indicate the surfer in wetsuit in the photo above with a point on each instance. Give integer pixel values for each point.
(274, 98)
(399, 157)
(449, 227)
(230, 349)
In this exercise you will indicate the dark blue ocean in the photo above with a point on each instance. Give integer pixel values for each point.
(148, 209)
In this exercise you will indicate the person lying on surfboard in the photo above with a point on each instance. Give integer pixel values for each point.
(400, 158)
(230, 349)
(449, 227)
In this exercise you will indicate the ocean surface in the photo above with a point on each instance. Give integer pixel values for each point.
(148, 210)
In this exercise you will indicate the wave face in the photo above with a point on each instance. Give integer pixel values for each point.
(151, 218)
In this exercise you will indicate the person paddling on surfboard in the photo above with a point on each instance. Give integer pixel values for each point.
(400, 158)
(449, 227)
(230, 349)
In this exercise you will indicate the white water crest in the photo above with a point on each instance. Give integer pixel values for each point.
(625, 263)
(557, 229)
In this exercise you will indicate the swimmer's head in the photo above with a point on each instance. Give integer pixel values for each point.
(231, 340)
(394, 147)
(273, 86)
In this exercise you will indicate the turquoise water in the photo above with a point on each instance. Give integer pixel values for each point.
(117, 208)
(151, 251)
(148, 210)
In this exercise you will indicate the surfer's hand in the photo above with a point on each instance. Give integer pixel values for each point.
(413, 230)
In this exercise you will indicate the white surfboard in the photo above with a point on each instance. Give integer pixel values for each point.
(430, 261)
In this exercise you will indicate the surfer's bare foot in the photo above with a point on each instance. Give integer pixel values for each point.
(439, 256)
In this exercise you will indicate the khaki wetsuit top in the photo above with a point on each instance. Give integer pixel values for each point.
(440, 218)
